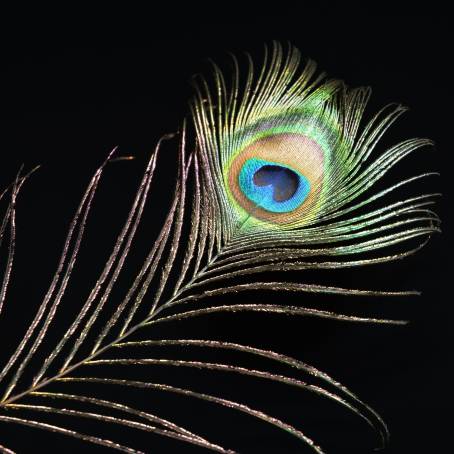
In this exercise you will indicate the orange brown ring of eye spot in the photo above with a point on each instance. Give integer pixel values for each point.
(296, 151)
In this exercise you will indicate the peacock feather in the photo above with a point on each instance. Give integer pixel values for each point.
(282, 178)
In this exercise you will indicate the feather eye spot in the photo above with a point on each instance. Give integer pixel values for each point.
(272, 186)
(278, 177)
(285, 182)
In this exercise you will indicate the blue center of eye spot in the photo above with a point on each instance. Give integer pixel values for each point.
(273, 186)
(284, 181)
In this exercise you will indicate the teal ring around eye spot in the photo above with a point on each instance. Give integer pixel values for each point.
(263, 196)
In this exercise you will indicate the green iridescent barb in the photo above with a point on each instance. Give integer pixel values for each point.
(282, 179)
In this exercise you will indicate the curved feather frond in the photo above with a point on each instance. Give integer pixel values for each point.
(283, 178)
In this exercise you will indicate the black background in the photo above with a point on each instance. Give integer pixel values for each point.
(65, 107)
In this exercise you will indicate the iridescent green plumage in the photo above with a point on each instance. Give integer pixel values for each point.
(285, 101)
